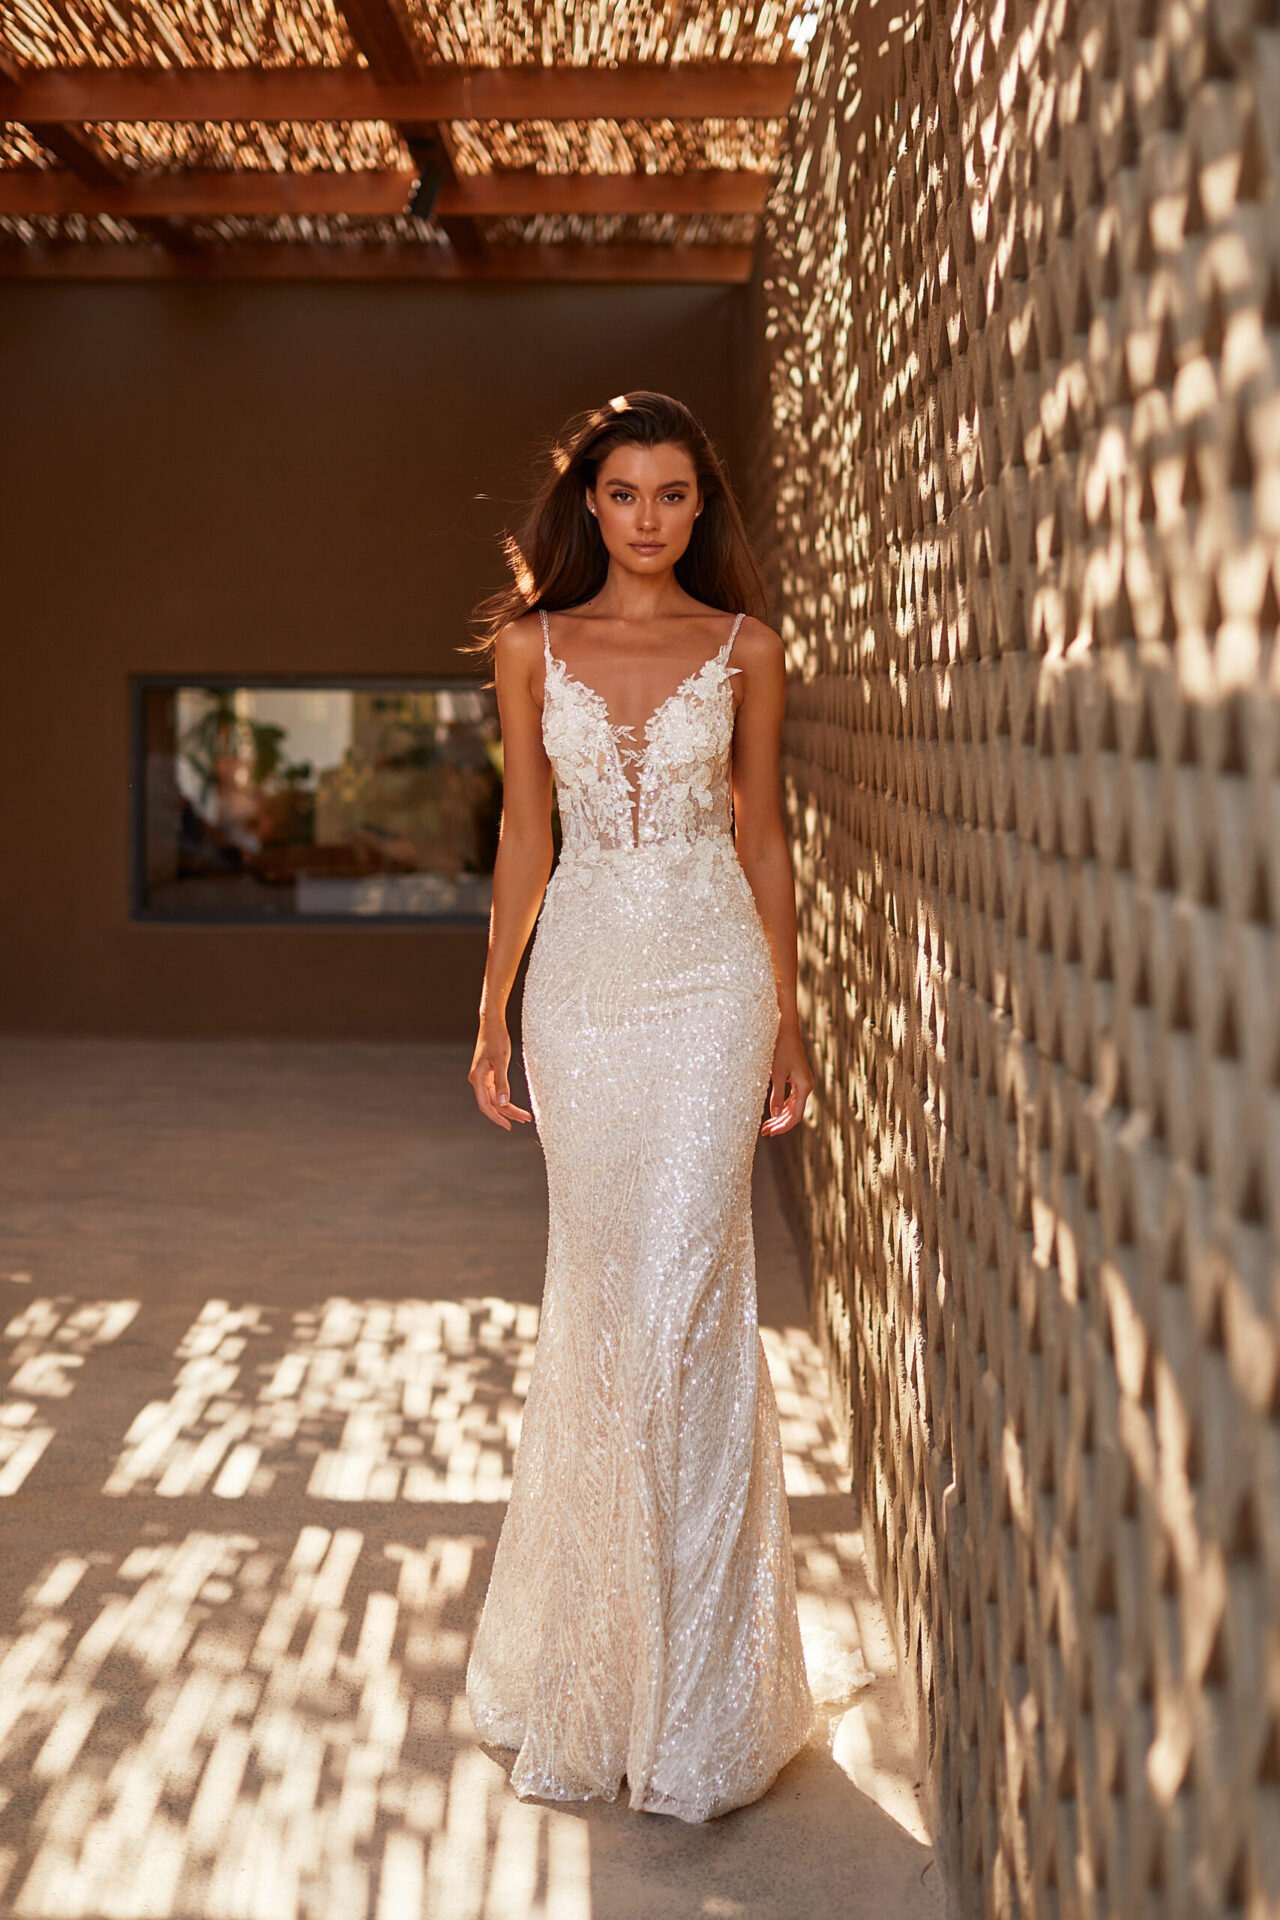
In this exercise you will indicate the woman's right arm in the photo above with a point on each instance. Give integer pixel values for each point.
(523, 862)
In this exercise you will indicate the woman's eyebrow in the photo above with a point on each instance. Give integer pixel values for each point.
(615, 481)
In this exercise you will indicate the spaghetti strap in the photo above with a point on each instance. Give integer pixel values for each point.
(546, 635)
(727, 648)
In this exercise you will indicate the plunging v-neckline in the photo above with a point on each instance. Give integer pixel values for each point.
(616, 729)
(624, 752)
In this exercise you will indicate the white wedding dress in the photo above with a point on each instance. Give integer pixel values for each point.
(641, 1615)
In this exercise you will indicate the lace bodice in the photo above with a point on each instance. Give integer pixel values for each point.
(680, 790)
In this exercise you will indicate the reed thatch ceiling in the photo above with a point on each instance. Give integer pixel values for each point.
(396, 138)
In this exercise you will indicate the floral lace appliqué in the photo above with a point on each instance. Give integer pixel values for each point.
(681, 770)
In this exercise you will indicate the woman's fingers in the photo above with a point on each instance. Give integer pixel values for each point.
(785, 1113)
(502, 1100)
(484, 1078)
(493, 1097)
(777, 1108)
(487, 1102)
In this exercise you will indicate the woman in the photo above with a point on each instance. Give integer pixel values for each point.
(641, 1617)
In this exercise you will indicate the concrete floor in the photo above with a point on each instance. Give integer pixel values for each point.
(268, 1311)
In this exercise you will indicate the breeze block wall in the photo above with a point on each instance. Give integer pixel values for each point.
(1019, 430)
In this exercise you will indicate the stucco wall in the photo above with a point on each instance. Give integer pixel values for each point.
(249, 479)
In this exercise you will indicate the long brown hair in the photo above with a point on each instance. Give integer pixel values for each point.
(557, 555)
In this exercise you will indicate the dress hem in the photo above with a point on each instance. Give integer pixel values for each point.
(639, 1799)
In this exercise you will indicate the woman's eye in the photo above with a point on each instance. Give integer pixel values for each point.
(622, 499)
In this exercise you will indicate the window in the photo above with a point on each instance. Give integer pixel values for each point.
(314, 801)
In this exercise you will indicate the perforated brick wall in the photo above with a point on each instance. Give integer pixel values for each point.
(1019, 438)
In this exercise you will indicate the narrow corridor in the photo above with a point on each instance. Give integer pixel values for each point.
(268, 1311)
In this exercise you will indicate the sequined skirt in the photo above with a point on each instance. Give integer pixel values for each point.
(640, 1619)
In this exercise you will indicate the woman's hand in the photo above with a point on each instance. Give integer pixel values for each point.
(488, 1077)
(792, 1083)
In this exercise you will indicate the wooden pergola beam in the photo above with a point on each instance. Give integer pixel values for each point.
(528, 194)
(88, 163)
(385, 36)
(208, 196)
(214, 196)
(726, 90)
(77, 149)
(79, 152)
(647, 265)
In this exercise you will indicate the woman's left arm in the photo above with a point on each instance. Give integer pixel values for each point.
(766, 860)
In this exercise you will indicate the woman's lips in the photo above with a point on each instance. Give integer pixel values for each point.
(646, 546)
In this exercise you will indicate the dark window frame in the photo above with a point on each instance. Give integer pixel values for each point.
(140, 685)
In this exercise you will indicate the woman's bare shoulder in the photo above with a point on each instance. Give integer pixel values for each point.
(758, 646)
(518, 645)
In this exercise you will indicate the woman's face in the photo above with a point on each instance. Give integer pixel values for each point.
(646, 501)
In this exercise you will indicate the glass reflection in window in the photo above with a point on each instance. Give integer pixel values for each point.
(316, 802)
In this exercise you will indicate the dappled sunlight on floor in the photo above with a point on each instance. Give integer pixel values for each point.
(209, 1727)
(210, 1724)
(248, 1531)
(372, 1399)
(811, 1452)
(48, 1342)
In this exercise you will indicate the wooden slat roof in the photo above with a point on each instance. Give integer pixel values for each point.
(287, 137)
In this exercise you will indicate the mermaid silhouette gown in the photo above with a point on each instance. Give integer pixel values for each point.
(640, 1619)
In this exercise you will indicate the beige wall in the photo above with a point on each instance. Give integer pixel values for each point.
(1021, 397)
(239, 479)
